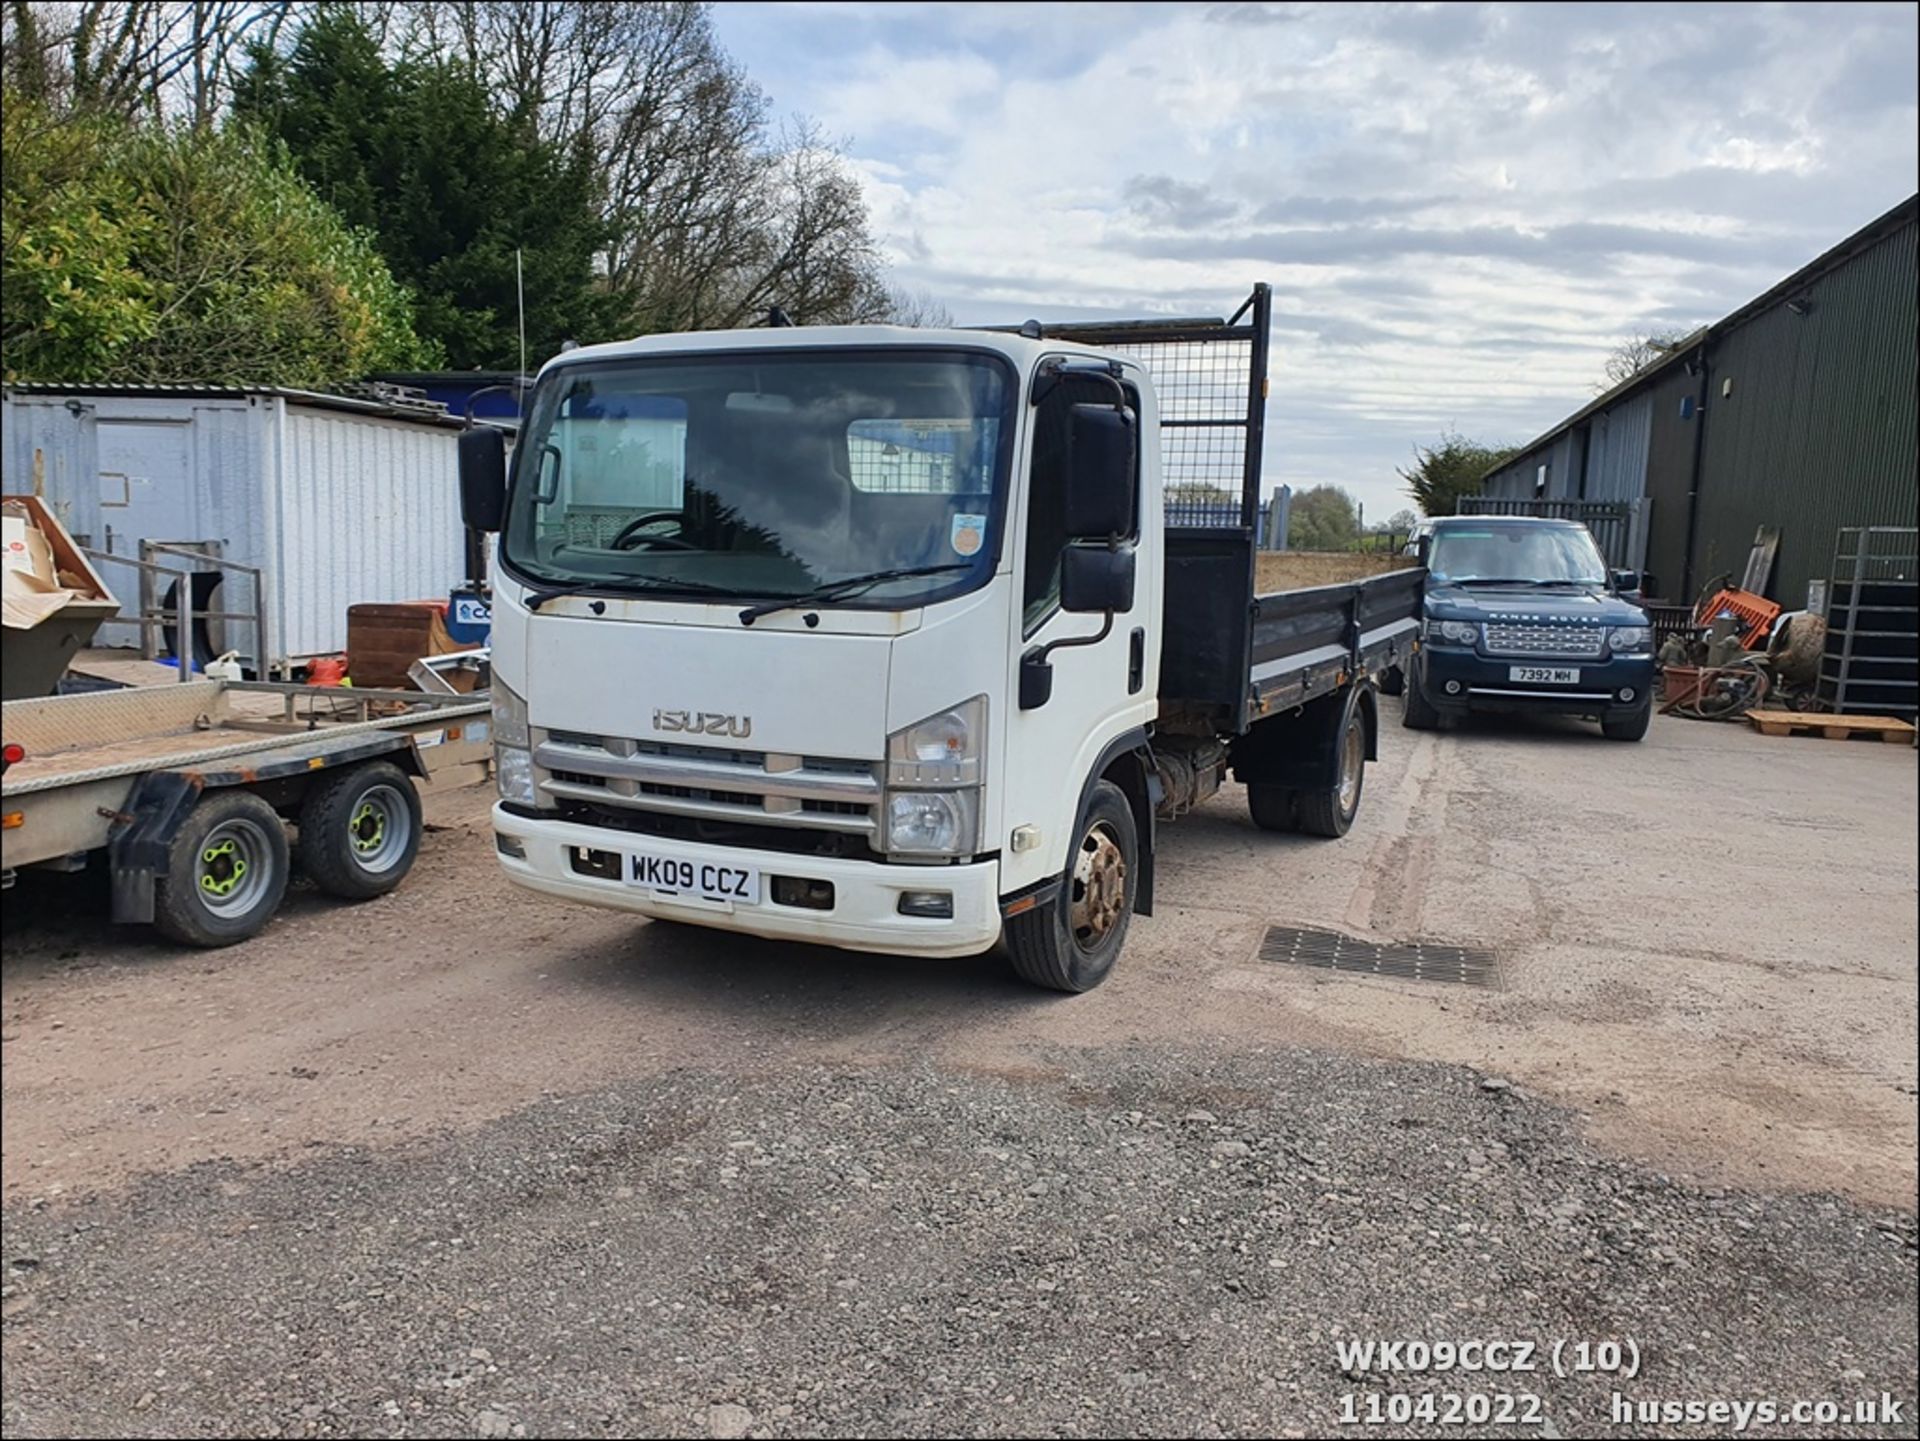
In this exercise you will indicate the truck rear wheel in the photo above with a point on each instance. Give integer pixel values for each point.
(360, 831)
(1273, 808)
(226, 871)
(1072, 944)
(1330, 812)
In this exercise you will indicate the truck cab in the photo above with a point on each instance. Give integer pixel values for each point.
(1522, 614)
(856, 636)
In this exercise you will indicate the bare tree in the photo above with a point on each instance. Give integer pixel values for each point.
(916, 308)
(1637, 352)
(153, 57)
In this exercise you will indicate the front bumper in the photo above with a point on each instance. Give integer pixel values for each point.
(1482, 682)
(864, 916)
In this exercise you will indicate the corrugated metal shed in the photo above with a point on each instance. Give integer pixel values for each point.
(337, 499)
(1810, 419)
(1808, 422)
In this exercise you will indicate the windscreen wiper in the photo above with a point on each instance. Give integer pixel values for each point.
(632, 583)
(834, 589)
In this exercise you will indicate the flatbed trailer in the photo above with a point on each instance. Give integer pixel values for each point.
(186, 791)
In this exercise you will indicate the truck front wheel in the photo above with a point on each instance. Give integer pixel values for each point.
(226, 871)
(1072, 944)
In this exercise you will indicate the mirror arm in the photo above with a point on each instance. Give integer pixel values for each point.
(1106, 629)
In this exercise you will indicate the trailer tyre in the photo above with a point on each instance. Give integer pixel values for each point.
(1072, 944)
(360, 831)
(226, 871)
(1274, 808)
(1330, 812)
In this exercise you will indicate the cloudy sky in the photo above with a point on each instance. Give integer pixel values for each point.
(1461, 208)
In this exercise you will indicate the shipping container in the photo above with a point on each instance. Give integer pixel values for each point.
(335, 499)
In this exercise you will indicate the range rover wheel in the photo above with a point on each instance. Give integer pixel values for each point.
(1629, 727)
(1072, 944)
(1418, 713)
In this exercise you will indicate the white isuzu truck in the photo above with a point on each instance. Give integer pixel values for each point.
(904, 640)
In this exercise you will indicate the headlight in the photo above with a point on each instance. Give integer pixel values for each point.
(934, 770)
(513, 772)
(932, 823)
(942, 750)
(512, 758)
(1627, 638)
(1454, 632)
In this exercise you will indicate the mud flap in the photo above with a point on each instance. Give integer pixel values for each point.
(137, 845)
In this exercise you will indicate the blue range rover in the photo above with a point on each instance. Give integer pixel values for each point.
(1522, 615)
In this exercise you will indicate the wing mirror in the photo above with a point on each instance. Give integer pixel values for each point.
(1101, 456)
(483, 477)
(1094, 579)
(1627, 582)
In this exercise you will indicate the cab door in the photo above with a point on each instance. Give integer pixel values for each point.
(1103, 687)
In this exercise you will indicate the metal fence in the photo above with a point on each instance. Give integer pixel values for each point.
(1211, 380)
(1619, 526)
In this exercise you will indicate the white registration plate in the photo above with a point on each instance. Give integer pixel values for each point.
(675, 877)
(1544, 674)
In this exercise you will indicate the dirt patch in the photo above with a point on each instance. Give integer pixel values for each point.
(1299, 569)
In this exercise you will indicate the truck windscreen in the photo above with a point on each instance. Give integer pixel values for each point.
(765, 475)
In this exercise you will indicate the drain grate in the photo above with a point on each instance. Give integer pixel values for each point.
(1407, 960)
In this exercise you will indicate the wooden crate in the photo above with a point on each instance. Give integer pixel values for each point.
(1833, 727)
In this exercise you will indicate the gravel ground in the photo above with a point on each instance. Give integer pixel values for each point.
(1162, 1241)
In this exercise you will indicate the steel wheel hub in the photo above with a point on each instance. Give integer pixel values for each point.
(1352, 759)
(1099, 887)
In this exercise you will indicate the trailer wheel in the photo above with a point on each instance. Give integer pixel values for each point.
(360, 831)
(226, 871)
(1330, 812)
(1072, 944)
(1274, 808)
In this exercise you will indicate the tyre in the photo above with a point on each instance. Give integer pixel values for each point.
(1417, 712)
(1392, 681)
(226, 871)
(203, 591)
(1330, 812)
(1629, 727)
(360, 831)
(1073, 943)
(1273, 808)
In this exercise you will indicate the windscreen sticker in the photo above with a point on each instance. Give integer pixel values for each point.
(969, 534)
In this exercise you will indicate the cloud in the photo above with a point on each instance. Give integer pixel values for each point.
(1460, 207)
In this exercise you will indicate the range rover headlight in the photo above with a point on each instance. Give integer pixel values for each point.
(1454, 632)
(1629, 639)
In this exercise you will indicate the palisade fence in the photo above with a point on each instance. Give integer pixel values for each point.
(1619, 526)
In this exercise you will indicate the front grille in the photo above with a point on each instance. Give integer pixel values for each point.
(1545, 638)
(771, 788)
(794, 840)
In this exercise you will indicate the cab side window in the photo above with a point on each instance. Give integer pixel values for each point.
(1047, 490)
